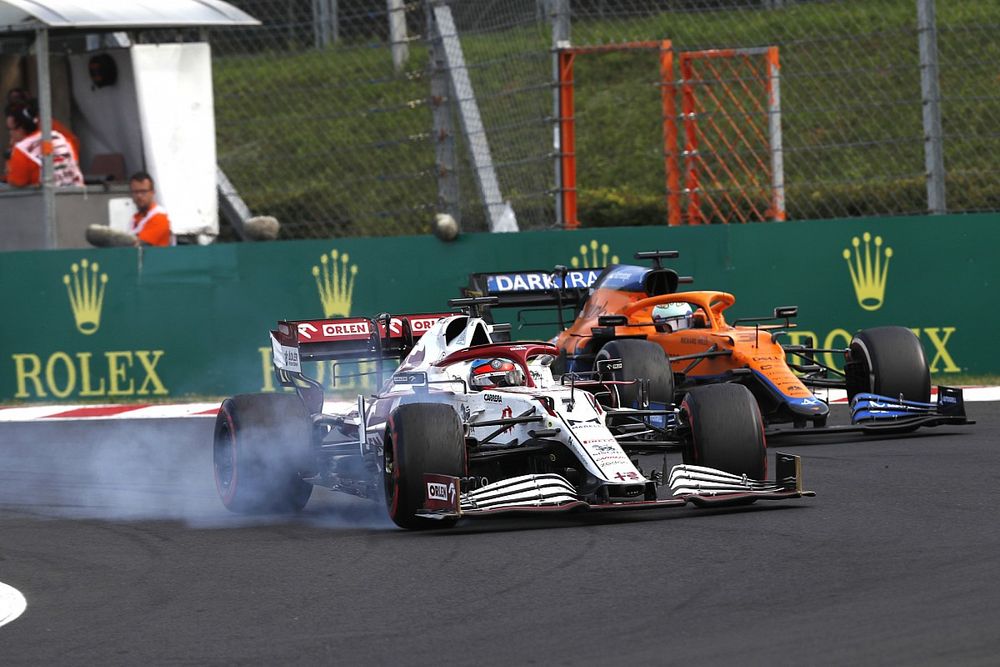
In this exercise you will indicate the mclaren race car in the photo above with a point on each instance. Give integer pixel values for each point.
(466, 426)
(680, 341)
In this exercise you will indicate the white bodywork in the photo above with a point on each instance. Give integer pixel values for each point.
(577, 415)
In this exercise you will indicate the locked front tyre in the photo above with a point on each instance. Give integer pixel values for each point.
(420, 438)
(262, 446)
(726, 430)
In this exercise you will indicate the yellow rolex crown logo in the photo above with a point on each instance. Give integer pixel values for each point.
(335, 282)
(590, 259)
(85, 286)
(869, 273)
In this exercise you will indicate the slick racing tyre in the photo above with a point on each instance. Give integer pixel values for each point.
(727, 432)
(262, 444)
(641, 360)
(420, 438)
(888, 361)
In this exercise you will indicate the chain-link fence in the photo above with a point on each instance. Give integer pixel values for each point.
(365, 117)
(324, 124)
(854, 136)
(314, 124)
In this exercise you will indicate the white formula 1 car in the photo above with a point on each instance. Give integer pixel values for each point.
(468, 427)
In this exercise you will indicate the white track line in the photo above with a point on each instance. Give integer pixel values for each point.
(12, 603)
(50, 413)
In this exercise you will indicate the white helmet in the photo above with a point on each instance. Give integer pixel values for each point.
(678, 315)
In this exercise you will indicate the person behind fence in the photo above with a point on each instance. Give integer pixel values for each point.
(24, 163)
(150, 224)
(20, 96)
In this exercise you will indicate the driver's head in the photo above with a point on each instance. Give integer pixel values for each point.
(677, 315)
(492, 373)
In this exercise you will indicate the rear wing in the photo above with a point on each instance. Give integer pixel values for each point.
(537, 287)
(354, 338)
(535, 290)
(564, 286)
(346, 338)
(560, 288)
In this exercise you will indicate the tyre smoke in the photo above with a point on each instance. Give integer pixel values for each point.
(140, 469)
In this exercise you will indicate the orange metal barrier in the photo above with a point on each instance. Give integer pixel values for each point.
(567, 125)
(731, 116)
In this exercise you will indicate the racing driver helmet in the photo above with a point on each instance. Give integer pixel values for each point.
(677, 316)
(493, 373)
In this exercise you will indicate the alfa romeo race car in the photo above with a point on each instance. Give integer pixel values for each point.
(468, 427)
(680, 341)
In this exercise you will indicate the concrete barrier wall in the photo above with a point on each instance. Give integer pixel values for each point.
(124, 324)
(22, 215)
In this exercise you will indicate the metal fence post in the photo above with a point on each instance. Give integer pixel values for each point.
(319, 23)
(930, 93)
(500, 215)
(325, 28)
(398, 40)
(774, 134)
(561, 24)
(45, 113)
(443, 134)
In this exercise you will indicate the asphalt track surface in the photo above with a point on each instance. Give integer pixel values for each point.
(115, 536)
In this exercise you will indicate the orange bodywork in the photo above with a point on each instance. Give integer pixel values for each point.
(750, 347)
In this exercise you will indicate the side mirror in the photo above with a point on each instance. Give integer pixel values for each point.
(545, 359)
(612, 320)
(609, 365)
(786, 312)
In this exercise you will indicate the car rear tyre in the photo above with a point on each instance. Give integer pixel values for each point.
(727, 432)
(420, 438)
(888, 361)
(641, 359)
(261, 447)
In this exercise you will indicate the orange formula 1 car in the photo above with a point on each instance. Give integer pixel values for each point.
(635, 314)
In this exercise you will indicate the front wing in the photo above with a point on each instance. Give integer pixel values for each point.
(551, 493)
(873, 414)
